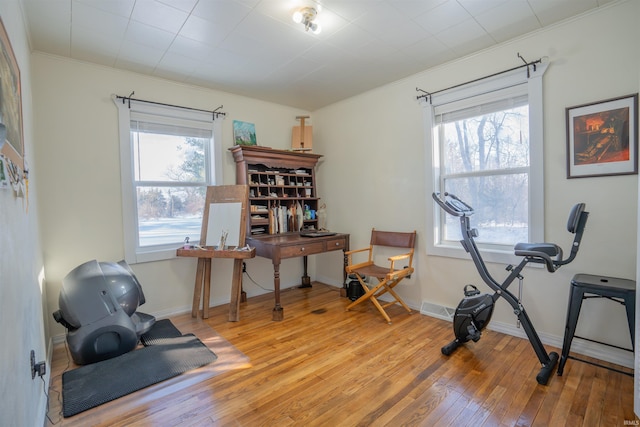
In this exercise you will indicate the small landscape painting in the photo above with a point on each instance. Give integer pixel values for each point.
(244, 133)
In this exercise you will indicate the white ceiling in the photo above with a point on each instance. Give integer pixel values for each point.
(253, 47)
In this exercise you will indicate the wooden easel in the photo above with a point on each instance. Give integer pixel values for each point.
(301, 136)
(221, 199)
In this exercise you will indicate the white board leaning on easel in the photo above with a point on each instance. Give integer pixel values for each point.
(224, 216)
(224, 225)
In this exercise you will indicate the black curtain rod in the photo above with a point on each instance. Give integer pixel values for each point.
(215, 113)
(428, 95)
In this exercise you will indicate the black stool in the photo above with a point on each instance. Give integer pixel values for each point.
(622, 291)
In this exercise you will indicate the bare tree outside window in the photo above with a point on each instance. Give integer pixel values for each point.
(485, 161)
(171, 186)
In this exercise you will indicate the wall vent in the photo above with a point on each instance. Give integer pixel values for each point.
(438, 311)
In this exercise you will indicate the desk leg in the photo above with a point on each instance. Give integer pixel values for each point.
(207, 288)
(236, 291)
(343, 290)
(278, 311)
(306, 280)
(197, 289)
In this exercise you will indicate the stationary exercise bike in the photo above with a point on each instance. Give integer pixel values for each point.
(474, 311)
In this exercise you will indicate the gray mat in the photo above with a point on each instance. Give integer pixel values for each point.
(159, 333)
(93, 385)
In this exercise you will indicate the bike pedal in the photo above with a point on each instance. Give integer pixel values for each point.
(470, 290)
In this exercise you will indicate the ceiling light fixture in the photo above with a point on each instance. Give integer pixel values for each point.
(306, 16)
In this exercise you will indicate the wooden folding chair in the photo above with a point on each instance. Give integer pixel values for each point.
(389, 276)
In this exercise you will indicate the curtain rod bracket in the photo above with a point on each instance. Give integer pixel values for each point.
(527, 65)
(129, 98)
(426, 95)
(215, 112)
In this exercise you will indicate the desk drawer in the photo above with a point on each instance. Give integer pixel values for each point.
(335, 244)
(302, 249)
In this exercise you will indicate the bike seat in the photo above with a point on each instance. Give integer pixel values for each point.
(540, 252)
(551, 249)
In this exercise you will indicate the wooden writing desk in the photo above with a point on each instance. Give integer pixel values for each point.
(203, 278)
(290, 245)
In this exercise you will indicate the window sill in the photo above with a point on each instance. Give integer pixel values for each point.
(488, 255)
(153, 255)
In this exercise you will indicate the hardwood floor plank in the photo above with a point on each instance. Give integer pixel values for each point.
(429, 408)
(579, 405)
(594, 410)
(550, 400)
(324, 366)
(567, 393)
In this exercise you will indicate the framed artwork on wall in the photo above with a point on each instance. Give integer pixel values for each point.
(12, 140)
(4, 176)
(602, 138)
(244, 133)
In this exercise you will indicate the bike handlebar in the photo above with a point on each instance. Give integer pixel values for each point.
(452, 204)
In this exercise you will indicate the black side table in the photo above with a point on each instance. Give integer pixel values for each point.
(622, 291)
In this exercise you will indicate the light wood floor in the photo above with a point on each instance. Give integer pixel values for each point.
(322, 366)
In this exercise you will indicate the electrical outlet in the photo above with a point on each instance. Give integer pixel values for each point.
(39, 368)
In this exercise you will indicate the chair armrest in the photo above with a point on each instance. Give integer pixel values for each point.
(398, 257)
(395, 274)
(395, 258)
(352, 267)
(357, 250)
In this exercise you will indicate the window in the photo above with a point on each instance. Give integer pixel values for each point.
(486, 148)
(169, 155)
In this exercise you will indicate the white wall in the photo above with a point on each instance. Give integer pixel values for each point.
(22, 294)
(374, 172)
(78, 150)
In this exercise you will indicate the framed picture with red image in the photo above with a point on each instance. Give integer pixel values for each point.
(11, 136)
(602, 138)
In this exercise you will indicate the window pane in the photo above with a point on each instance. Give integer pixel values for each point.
(501, 208)
(169, 214)
(159, 157)
(498, 140)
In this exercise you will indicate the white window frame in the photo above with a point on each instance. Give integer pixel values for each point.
(135, 254)
(522, 76)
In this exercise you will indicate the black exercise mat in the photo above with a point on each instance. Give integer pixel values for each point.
(93, 385)
(159, 332)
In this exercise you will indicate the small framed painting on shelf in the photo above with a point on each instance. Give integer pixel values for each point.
(244, 133)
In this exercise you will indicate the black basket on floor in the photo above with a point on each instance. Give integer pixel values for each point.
(354, 288)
